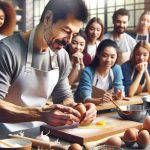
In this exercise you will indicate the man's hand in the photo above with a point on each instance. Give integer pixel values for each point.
(90, 114)
(59, 115)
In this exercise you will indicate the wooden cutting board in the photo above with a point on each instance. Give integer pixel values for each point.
(82, 134)
(125, 101)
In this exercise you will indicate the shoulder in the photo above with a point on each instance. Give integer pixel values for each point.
(89, 71)
(63, 57)
(126, 65)
(116, 67)
(129, 37)
(107, 35)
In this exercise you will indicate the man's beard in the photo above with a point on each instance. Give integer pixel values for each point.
(119, 31)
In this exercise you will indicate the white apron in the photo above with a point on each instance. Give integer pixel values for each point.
(32, 88)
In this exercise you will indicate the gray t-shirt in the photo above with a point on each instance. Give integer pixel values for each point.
(13, 53)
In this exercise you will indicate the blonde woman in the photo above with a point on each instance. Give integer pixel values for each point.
(142, 31)
(136, 71)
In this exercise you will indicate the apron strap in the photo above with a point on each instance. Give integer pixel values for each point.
(30, 51)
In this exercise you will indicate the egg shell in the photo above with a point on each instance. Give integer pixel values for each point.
(81, 108)
(75, 146)
(114, 141)
(143, 139)
(146, 123)
(130, 135)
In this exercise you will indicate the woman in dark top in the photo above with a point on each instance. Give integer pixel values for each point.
(136, 71)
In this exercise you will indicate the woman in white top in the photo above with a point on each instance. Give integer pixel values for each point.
(94, 31)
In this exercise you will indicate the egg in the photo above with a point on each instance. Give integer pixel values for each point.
(130, 134)
(146, 123)
(114, 141)
(143, 139)
(82, 109)
(75, 146)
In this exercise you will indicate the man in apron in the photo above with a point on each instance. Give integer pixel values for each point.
(125, 42)
(34, 67)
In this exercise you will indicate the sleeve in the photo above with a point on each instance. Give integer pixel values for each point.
(127, 72)
(62, 90)
(7, 69)
(84, 89)
(118, 79)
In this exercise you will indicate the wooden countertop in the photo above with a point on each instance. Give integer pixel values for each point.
(132, 100)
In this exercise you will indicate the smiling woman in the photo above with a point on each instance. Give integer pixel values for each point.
(7, 19)
(136, 71)
(103, 73)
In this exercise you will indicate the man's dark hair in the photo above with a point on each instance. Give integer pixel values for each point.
(121, 12)
(62, 8)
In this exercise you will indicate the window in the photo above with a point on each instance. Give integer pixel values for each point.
(103, 9)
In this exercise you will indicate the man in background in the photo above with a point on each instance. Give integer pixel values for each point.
(125, 42)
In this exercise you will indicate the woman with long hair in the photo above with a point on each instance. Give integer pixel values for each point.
(136, 71)
(103, 73)
(7, 19)
(142, 31)
(94, 31)
(75, 50)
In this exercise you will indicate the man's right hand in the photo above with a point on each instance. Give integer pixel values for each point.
(60, 115)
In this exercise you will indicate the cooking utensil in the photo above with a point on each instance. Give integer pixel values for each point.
(118, 107)
(135, 112)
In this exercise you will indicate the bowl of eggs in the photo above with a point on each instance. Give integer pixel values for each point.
(134, 112)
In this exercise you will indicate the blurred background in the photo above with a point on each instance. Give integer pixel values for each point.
(28, 12)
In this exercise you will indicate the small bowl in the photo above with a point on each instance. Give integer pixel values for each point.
(16, 143)
(133, 112)
(129, 143)
(106, 147)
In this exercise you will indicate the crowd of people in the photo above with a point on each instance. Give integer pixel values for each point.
(59, 60)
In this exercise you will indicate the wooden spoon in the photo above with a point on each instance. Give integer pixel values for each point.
(123, 112)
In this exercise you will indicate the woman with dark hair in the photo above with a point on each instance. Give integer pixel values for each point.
(75, 50)
(94, 31)
(136, 71)
(7, 19)
(103, 73)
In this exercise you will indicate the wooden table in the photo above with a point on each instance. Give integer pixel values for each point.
(32, 133)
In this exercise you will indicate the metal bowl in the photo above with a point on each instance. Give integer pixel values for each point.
(106, 147)
(134, 112)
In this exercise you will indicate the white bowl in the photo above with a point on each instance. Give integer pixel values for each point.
(16, 144)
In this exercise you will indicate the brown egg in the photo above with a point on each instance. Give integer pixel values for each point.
(130, 134)
(114, 141)
(75, 146)
(146, 123)
(81, 108)
(143, 139)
